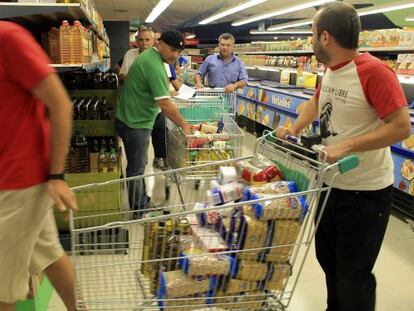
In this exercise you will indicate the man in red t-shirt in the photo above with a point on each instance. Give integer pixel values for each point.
(35, 119)
(362, 110)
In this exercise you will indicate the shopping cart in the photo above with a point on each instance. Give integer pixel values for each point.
(244, 262)
(229, 98)
(189, 150)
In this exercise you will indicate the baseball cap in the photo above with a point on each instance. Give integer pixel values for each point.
(173, 38)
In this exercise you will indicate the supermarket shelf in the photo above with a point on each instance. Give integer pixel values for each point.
(367, 49)
(271, 68)
(388, 49)
(276, 52)
(102, 65)
(405, 79)
(44, 14)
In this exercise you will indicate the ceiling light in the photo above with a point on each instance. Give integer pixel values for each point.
(190, 36)
(233, 10)
(286, 10)
(361, 12)
(287, 31)
(290, 25)
(401, 5)
(409, 18)
(157, 10)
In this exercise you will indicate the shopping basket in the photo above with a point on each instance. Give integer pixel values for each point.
(172, 261)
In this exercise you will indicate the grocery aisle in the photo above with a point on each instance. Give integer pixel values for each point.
(394, 269)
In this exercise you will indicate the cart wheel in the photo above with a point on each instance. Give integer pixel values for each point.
(167, 193)
(197, 185)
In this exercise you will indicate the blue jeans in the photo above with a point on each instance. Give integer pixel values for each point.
(136, 142)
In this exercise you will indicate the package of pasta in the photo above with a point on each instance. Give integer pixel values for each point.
(195, 263)
(235, 286)
(250, 270)
(249, 301)
(188, 303)
(283, 234)
(175, 284)
(293, 206)
(278, 274)
(251, 234)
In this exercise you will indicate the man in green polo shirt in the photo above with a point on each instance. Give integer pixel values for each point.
(145, 93)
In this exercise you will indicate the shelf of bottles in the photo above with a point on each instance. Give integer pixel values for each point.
(53, 13)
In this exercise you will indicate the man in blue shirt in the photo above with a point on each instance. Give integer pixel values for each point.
(224, 70)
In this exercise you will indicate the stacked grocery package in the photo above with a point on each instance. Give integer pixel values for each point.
(225, 254)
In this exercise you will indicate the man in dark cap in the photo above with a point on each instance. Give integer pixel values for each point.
(145, 93)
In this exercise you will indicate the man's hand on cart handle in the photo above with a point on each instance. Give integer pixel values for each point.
(334, 153)
(199, 86)
(283, 132)
(63, 196)
(230, 88)
(187, 129)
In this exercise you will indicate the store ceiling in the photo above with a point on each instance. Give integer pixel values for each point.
(187, 13)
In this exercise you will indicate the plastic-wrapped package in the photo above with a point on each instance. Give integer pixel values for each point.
(175, 284)
(206, 265)
(288, 207)
(278, 274)
(184, 304)
(251, 270)
(236, 286)
(284, 233)
(259, 170)
(251, 234)
(249, 301)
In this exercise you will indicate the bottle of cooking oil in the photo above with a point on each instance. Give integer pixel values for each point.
(172, 248)
(158, 247)
(102, 162)
(65, 40)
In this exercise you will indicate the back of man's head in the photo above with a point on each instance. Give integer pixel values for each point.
(341, 21)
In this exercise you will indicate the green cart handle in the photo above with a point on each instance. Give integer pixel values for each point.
(348, 163)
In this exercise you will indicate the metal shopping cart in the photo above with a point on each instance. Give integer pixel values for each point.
(189, 150)
(229, 98)
(169, 261)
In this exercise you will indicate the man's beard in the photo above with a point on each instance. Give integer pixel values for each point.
(321, 55)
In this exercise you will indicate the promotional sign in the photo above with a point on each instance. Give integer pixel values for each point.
(278, 99)
(403, 156)
(246, 108)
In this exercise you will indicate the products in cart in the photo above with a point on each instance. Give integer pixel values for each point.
(175, 284)
(194, 263)
(235, 286)
(287, 207)
(283, 234)
(278, 274)
(249, 270)
(225, 193)
(259, 170)
(251, 235)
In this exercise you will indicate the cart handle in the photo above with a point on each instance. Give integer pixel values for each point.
(344, 165)
(348, 163)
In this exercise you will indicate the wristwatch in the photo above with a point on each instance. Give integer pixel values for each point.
(56, 176)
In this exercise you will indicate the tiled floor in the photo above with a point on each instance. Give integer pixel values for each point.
(394, 270)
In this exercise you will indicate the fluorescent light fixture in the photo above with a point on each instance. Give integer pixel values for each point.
(233, 10)
(361, 12)
(395, 6)
(281, 32)
(285, 10)
(409, 18)
(290, 25)
(191, 36)
(157, 10)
